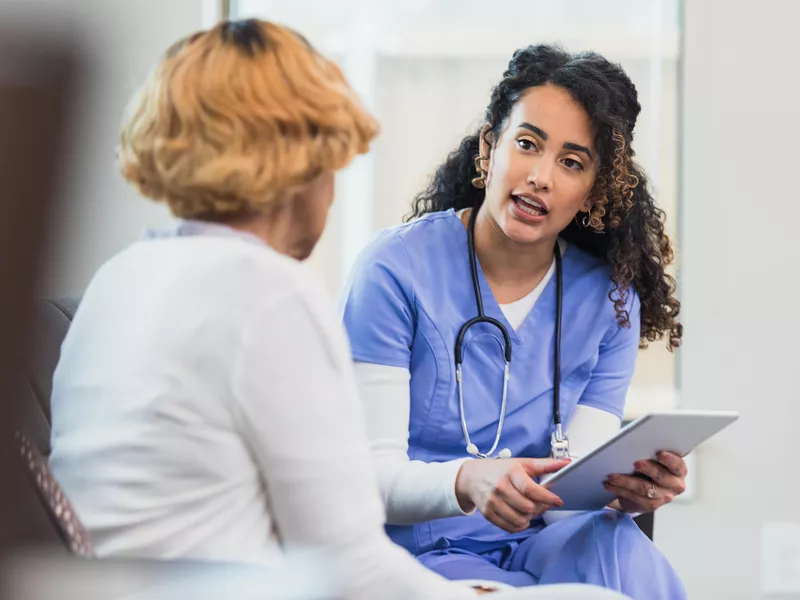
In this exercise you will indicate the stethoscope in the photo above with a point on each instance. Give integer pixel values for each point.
(559, 444)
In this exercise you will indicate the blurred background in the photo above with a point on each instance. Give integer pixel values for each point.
(718, 83)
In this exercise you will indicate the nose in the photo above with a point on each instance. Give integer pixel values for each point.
(541, 175)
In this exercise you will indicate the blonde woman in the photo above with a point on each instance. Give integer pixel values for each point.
(204, 405)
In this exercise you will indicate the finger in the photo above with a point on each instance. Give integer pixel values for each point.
(648, 504)
(507, 518)
(535, 467)
(639, 503)
(497, 505)
(661, 475)
(539, 509)
(636, 485)
(495, 519)
(629, 507)
(533, 491)
(662, 496)
(674, 463)
(516, 499)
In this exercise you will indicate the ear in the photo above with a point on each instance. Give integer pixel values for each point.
(486, 149)
(590, 199)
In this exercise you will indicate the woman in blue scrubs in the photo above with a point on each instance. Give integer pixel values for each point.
(551, 169)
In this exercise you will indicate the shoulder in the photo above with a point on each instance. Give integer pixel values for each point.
(590, 279)
(428, 232)
(272, 288)
(275, 278)
(413, 237)
(397, 251)
(587, 267)
(240, 274)
(400, 249)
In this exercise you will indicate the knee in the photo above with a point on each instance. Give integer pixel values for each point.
(635, 555)
(622, 529)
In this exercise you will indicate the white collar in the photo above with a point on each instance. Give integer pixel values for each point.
(193, 227)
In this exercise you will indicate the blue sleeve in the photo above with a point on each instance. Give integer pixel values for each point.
(609, 381)
(378, 309)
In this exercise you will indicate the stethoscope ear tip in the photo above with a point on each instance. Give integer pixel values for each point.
(472, 449)
(504, 453)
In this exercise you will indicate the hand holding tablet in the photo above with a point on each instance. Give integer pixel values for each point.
(582, 484)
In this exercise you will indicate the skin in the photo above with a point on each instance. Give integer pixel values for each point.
(535, 153)
(293, 226)
(545, 151)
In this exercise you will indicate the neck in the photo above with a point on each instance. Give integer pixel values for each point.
(512, 269)
(274, 227)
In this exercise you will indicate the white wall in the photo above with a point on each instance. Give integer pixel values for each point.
(740, 211)
(99, 213)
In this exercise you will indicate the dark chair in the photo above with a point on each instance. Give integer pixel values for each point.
(38, 519)
(51, 322)
(52, 498)
(646, 522)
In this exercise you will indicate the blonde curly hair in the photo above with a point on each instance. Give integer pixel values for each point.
(238, 117)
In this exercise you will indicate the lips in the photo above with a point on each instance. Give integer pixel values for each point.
(530, 205)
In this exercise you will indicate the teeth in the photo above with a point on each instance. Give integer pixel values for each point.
(531, 203)
(531, 211)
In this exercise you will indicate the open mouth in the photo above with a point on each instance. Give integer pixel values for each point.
(529, 206)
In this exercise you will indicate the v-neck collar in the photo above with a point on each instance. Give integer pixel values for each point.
(544, 305)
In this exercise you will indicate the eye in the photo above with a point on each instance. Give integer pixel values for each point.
(573, 164)
(526, 144)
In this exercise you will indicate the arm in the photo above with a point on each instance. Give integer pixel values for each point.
(379, 313)
(608, 384)
(413, 491)
(299, 412)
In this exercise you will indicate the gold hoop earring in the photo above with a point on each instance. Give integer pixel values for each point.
(480, 181)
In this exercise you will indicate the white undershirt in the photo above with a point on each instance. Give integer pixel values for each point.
(516, 312)
(414, 491)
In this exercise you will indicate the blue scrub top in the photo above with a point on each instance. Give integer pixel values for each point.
(408, 296)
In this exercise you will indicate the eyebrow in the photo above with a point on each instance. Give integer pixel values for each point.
(567, 145)
(534, 129)
(577, 148)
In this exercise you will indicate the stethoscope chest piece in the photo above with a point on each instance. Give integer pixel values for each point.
(559, 444)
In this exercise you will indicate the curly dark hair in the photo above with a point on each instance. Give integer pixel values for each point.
(625, 226)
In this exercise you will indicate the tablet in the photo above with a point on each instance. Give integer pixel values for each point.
(580, 484)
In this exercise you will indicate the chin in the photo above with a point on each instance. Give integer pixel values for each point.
(523, 233)
(522, 230)
(301, 255)
(303, 250)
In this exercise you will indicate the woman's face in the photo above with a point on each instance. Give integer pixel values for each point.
(541, 167)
